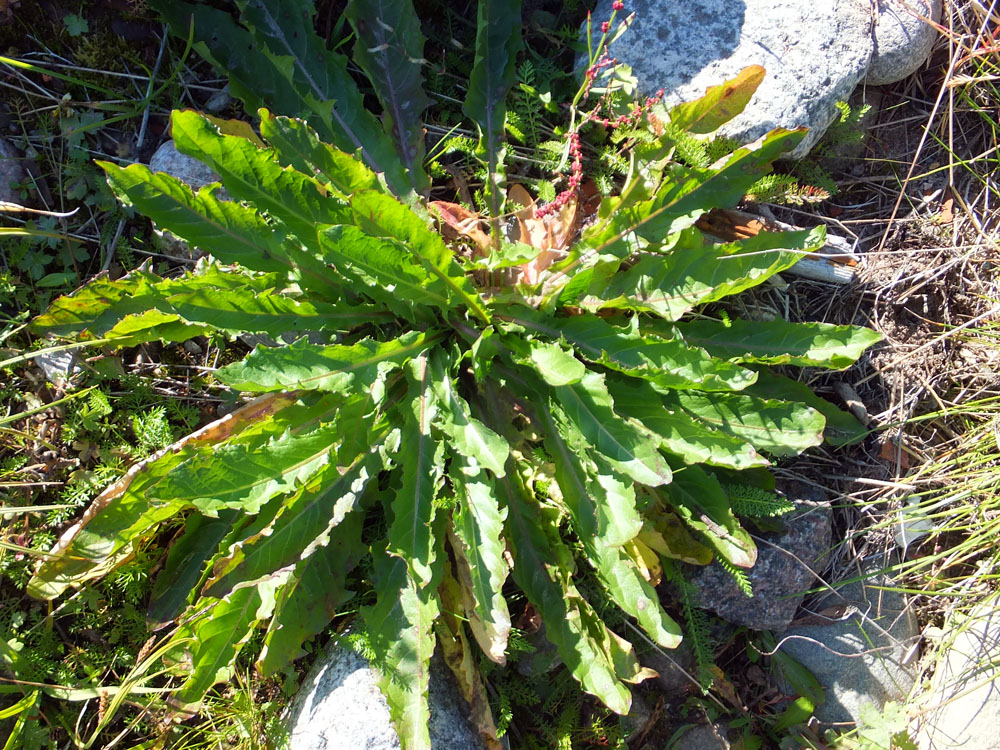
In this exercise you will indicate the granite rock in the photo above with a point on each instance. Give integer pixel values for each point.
(339, 705)
(963, 708)
(787, 564)
(864, 651)
(815, 54)
(903, 39)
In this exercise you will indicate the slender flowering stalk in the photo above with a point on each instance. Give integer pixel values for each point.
(598, 63)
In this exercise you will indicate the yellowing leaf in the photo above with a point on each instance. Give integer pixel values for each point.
(645, 560)
(670, 538)
(239, 128)
(720, 104)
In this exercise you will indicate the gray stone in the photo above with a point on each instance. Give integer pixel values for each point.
(58, 367)
(862, 654)
(706, 737)
(12, 172)
(786, 567)
(903, 40)
(815, 54)
(676, 669)
(964, 704)
(219, 100)
(185, 168)
(195, 174)
(638, 717)
(340, 706)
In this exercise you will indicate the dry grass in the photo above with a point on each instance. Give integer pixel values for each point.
(923, 206)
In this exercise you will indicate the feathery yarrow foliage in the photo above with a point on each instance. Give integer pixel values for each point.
(425, 401)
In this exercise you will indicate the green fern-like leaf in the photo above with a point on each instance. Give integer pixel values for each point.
(754, 502)
(785, 189)
(698, 636)
(739, 575)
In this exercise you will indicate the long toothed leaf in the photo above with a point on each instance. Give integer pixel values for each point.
(421, 459)
(778, 342)
(542, 568)
(603, 526)
(588, 405)
(297, 145)
(400, 628)
(336, 368)
(691, 440)
(122, 514)
(310, 599)
(246, 476)
(781, 428)
(390, 49)
(251, 174)
(305, 524)
(498, 40)
(468, 436)
(477, 542)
